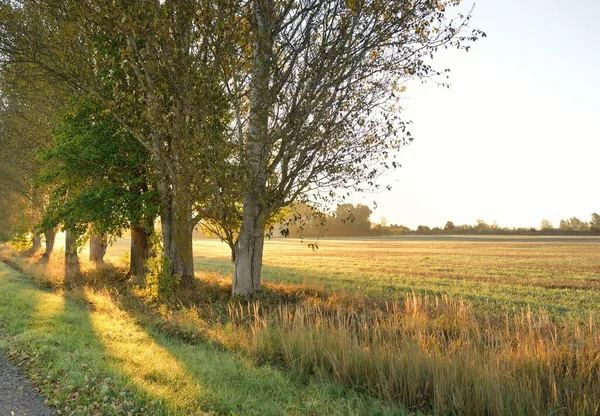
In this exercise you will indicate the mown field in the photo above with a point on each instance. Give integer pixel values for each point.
(560, 275)
(376, 326)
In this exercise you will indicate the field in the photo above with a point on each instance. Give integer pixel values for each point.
(560, 275)
(496, 326)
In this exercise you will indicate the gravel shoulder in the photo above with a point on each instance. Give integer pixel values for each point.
(18, 396)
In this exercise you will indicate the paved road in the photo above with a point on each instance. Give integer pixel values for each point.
(18, 397)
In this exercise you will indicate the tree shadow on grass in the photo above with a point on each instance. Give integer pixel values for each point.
(90, 356)
(54, 337)
(203, 374)
(235, 385)
(22, 300)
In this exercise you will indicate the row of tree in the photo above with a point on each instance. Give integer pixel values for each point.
(352, 221)
(215, 114)
(348, 220)
(571, 226)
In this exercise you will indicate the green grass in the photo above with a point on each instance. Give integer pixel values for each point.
(91, 357)
(561, 277)
(440, 327)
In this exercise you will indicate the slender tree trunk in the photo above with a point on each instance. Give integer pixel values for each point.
(35, 210)
(50, 236)
(249, 247)
(248, 251)
(71, 257)
(140, 252)
(98, 246)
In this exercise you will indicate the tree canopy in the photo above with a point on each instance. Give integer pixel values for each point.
(99, 174)
(222, 113)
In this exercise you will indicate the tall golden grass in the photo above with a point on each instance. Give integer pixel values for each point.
(52, 272)
(433, 354)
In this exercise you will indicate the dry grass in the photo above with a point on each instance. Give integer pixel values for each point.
(96, 349)
(434, 355)
(558, 276)
(51, 273)
(439, 354)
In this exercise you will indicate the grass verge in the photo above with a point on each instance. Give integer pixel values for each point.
(427, 354)
(90, 357)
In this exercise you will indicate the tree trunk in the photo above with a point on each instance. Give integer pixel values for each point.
(182, 254)
(50, 236)
(35, 211)
(178, 246)
(37, 243)
(249, 247)
(98, 246)
(248, 252)
(140, 252)
(71, 258)
(177, 229)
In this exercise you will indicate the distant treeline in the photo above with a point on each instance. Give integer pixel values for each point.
(350, 220)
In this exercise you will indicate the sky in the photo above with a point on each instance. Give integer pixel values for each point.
(516, 138)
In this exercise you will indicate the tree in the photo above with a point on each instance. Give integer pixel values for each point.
(595, 223)
(27, 113)
(482, 227)
(318, 112)
(449, 227)
(423, 229)
(546, 225)
(183, 112)
(307, 88)
(72, 268)
(563, 225)
(350, 220)
(151, 69)
(574, 224)
(100, 177)
(399, 229)
(98, 247)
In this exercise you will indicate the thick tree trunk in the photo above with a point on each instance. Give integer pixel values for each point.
(50, 236)
(248, 252)
(98, 246)
(178, 247)
(182, 254)
(71, 258)
(177, 229)
(140, 252)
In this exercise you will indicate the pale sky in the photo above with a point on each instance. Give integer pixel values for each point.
(517, 136)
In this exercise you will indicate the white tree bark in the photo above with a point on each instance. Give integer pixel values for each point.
(248, 251)
(249, 247)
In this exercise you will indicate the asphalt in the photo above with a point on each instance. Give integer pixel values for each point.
(18, 396)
